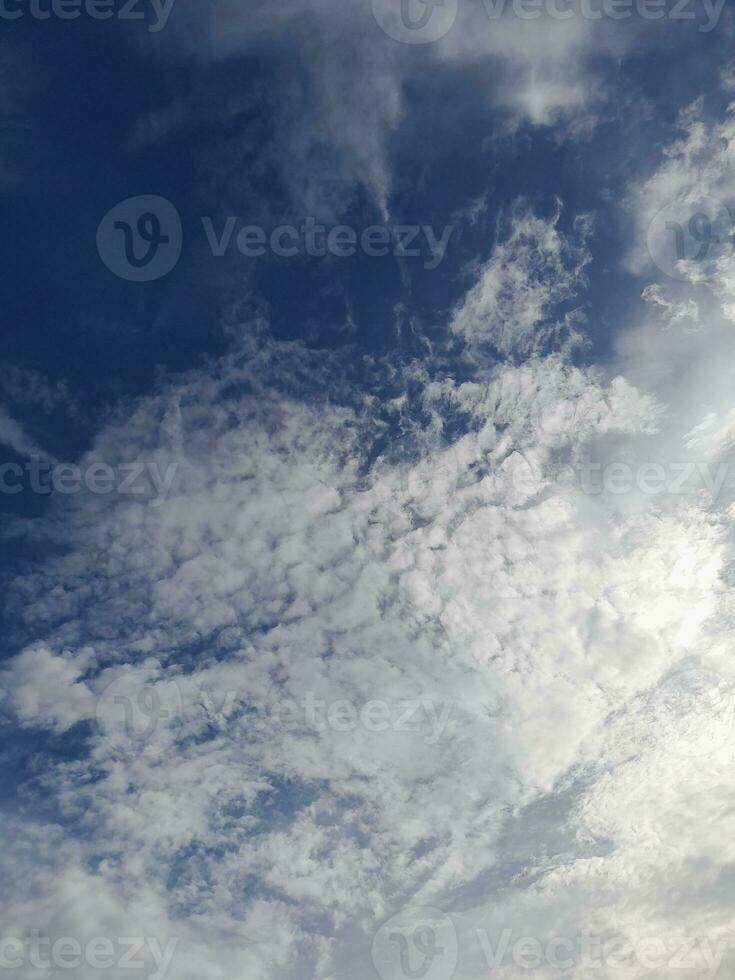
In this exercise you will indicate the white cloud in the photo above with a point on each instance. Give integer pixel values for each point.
(13, 435)
(531, 270)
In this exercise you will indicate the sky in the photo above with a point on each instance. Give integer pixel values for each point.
(367, 481)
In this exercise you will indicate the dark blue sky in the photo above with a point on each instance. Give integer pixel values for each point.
(69, 158)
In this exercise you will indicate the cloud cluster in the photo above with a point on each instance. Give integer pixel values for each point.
(566, 641)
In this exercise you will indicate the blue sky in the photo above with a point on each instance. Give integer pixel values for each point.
(367, 614)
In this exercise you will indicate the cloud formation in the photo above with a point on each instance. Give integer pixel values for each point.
(325, 681)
